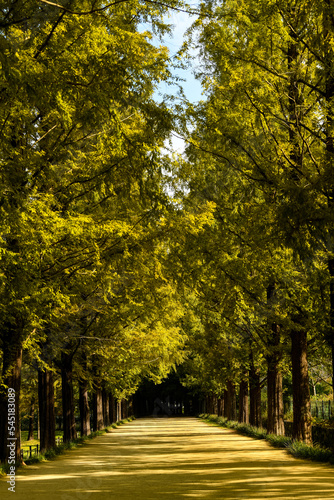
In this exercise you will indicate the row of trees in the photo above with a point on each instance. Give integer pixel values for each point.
(106, 279)
(86, 294)
(261, 148)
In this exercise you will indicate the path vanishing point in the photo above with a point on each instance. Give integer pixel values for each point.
(173, 458)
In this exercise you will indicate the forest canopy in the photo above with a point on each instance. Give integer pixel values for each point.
(120, 262)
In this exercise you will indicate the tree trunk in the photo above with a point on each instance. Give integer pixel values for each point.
(225, 399)
(215, 405)
(119, 410)
(275, 423)
(130, 406)
(105, 408)
(97, 410)
(31, 420)
(230, 402)
(210, 404)
(331, 313)
(328, 29)
(70, 432)
(302, 428)
(126, 409)
(46, 410)
(10, 435)
(112, 408)
(38, 426)
(206, 405)
(84, 408)
(243, 416)
(255, 414)
(220, 407)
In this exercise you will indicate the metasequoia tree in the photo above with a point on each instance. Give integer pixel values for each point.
(265, 131)
(79, 129)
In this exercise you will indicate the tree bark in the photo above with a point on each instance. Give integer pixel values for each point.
(84, 408)
(46, 410)
(331, 313)
(105, 408)
(275, 423)
(230, 402)
(97, 410)
(210, 404)
(130, 406)
(70, 432)
(10, 398)
(112, 408)
(255, 414)
(126, 409)
(328, 30)
(243, 416)
(119, 410)
(302, 428)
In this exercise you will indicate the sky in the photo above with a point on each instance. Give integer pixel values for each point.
(181, 21)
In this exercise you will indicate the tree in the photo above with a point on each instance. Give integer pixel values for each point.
(261, 63)
(78, 126)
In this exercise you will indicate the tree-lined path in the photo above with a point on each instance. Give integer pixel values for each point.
(174, 458)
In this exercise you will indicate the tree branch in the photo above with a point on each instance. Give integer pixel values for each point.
(116, 2)
(46, 41)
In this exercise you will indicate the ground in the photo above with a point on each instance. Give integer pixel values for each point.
(173, 458)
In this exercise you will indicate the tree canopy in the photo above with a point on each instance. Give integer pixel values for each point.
(120, 262)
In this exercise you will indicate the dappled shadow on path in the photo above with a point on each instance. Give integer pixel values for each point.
(175, 458)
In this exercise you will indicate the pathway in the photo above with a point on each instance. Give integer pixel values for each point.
(173, 458)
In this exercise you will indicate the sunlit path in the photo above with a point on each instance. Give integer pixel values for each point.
(174, 458)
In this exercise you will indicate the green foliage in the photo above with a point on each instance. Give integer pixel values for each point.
(82, 192)
(85, 219)
(315, 452)
(257, 148)
(279, 441)
(97, 260)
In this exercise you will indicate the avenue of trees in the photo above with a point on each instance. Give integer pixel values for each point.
(119, 262)
(261, 148)
(86, 292)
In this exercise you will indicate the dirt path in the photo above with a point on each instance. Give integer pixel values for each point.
(176, 458)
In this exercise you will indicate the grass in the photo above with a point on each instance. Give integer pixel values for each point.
(246, 429)
(33, 442)
(62, 448)
(314, 452)
(279, 441)
(298, 449)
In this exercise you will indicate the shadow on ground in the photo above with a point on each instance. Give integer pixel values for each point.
(176, 458)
